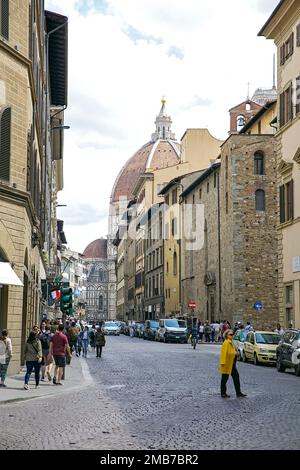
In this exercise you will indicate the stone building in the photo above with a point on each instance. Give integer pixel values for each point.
(234, 266)
(283, 27)
(32, 90)
(96, 265)
(153, 223)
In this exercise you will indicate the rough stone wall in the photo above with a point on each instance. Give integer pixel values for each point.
(197, 262)
(249, 237)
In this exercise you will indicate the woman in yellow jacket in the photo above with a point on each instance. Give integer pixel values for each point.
(228, 366)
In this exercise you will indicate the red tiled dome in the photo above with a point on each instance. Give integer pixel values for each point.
(153, 155)
(96, 249)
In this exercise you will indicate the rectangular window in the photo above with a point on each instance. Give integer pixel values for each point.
(174, 227)
(200, 193)
(4, 19)
(289, 303)
(286, 106)
(289, 46)
(174, 196)
(286, 193)
(215, 180)
(298, 35)
(167, 199)
(207, 188)
(282, 54)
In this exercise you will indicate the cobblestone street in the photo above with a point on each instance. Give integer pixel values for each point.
(146, 395)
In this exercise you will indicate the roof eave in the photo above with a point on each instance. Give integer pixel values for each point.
(264, 30)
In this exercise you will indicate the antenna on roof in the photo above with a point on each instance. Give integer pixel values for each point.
(274, 65)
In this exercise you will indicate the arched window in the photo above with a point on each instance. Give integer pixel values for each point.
(5, 140)
(259, 163)
(260, 200)
(101, 302)
(175, 264)
(240, 122)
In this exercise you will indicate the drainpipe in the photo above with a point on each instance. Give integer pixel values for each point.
(219, 246)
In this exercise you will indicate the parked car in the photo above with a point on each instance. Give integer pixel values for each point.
(139, 330)
(150, 329)
(111, 328)
(170, 330)
(260, 346)
(288, 351)
(238, 341)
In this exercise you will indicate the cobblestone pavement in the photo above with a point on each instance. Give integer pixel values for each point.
(146, 395)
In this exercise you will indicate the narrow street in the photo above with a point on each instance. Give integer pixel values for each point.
(146, 395)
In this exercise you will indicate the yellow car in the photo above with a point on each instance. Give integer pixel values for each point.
(260, 347)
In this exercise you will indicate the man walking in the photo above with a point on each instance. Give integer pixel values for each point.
(58, 347)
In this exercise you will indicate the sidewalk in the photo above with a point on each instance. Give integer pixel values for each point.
(74, 378)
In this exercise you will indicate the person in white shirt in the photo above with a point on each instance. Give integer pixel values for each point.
(279, 330)
(5, 356)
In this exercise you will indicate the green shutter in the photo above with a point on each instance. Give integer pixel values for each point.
(5, 19)
(5, 124)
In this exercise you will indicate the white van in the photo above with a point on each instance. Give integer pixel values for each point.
(170, 330)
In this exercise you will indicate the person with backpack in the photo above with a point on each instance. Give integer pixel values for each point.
(99, 341)
(44, 337)
(5, 355)
(33, 358)
(73, 337)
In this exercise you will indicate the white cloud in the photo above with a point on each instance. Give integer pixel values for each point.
(123, 56)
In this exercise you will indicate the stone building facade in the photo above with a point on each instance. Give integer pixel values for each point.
(96, 265)
(234, 265)
(29, 179)
(283, 27)
(154, 262)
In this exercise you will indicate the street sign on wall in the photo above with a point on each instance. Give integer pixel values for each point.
(192, 304)
(258, 306)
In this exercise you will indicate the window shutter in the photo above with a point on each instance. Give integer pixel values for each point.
(292, 199)
(5, 19)
(292, 40)
(290, 103)
(298, 95)
(282, 54)
(282, 203)
(282, 108)
(5, 139)
(298, 35)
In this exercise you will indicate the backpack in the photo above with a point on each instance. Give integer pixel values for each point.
(44, 339)
(2, 347)
(73, 334)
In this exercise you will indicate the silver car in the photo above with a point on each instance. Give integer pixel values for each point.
(238, 341)
(111, 328)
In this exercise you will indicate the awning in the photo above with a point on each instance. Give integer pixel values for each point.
(7, 275)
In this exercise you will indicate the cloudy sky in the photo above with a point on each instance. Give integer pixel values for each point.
(124, 55)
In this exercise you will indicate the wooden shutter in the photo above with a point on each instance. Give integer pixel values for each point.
(282, 54)
(4, 18)
(292, 40)
(298, 95)
(290, 200)
(298, 35)
(5, 140)
(289, 103)
(282, 109)
(282, 203)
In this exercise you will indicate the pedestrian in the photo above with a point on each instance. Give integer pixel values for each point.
(249, 327)
(212, 334)
(44, 337)
(5, 355)
(79, 342)
(92, 336)
(100, 341)
(279, 329)
(228, 359)
(33, 359)
(201, 331)
(73, 337)
(59, 346)
(207, 332)
(85, 340)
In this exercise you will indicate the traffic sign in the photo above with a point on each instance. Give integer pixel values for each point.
(258, 306)
(192, 304)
